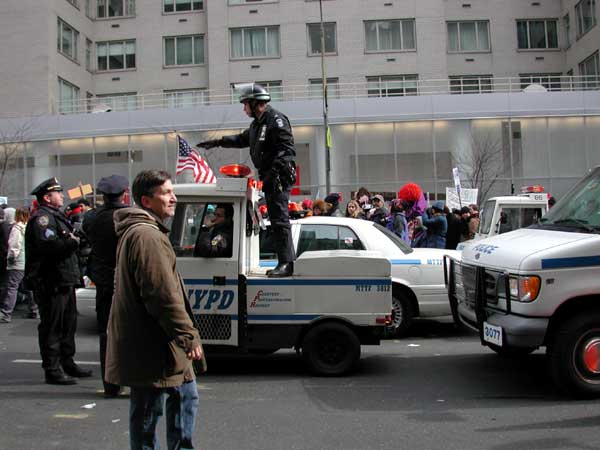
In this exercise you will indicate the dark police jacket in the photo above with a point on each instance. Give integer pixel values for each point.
(99, 227)
(50, 253)
(270, 140)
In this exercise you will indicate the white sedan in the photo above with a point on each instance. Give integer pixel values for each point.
(417, 274)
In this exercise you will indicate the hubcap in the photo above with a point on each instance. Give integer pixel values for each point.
(396, 313)
(591, 356)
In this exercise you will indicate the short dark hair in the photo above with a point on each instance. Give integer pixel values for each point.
(227, 209)
(83, 201)
(146, 182)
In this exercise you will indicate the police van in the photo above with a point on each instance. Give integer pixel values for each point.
(540, 287)
(335, 301)
(510, 212)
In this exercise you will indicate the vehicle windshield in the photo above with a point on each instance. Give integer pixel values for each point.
(486, 217)
(395, 239)
(579, 209)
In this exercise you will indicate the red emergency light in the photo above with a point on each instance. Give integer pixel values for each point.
(236, 170)
(534, 189)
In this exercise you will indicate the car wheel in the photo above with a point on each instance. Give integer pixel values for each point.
(575, 356)
(402, 315)
(330, 349)
(512, 352)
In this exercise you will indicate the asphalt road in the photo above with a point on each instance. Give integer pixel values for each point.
(436, 389)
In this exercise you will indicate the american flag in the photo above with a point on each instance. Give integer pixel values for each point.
(191, 160)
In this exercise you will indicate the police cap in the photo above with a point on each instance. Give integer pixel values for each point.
(50, 185)
(113, 185)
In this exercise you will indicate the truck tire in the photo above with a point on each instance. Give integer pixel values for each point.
(402, 315)
(574, 356)
(330, 349)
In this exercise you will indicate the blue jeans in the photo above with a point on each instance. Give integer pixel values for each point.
(146, 408)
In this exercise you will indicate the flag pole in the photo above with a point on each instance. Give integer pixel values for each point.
(325, 105)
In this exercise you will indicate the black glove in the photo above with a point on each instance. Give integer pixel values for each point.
(209, 144)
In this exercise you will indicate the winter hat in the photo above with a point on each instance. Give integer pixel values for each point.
(334, 198)
(439, 205)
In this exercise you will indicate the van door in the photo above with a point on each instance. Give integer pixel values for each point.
(207, 260)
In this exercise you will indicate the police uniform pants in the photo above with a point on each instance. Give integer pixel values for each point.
(104, 294)
(277, 207)
(58, 322)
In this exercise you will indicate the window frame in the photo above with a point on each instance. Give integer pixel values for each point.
(116, 97)
(337, 228)
(75, 100)
(249, 2)
(185, 36)
(192, 10)
(271, 86)
(309, 40)
(593, 83)
(333, 87)
(401, 23)
(460, 23)
(546, 48)
(567, 27)
(127, 6)
(581, 31)
(551, 81)
(198, 93)
(481, 89)
(89, 55)
(244, 30)
(74, 43)
(74, 3)
(107, 56)
(403, 78)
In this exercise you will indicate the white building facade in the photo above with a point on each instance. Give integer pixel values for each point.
(415, 87)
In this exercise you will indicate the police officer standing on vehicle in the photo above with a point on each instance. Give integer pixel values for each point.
(99, 227)
(52, 271)
(272, 151)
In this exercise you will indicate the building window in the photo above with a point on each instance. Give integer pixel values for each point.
(117, 55)
(119, 102)
(88, 55)
(469, 36)
(390, 35)
(75, 3)
(184, 50)
(69, 97)
(241, 2)
(88, 8)
(392, 85)
(274, 88)
(586, 16)
(170, 6)
(589, 68)
(115, 8)
(314, 38)
(315, 88)
(533, 34)
(259, 42)
(471, 84)
(567, 25)
(185, 98)
(67, 40)
(551, 81)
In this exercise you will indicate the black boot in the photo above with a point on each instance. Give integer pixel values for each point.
(58, 377)
(74, 370)
(282, 270)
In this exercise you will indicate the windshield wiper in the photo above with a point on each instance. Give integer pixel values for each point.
(583, 224)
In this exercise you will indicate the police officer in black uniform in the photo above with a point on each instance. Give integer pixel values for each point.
(52, 271)
(99, 227)
(272, 151)
(216, 241)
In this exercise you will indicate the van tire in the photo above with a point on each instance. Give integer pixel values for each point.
(330, 349)
(566, 354)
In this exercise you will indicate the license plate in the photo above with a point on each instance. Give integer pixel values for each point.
(492, 334)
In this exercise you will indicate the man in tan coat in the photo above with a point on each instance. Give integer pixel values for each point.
(151, 337)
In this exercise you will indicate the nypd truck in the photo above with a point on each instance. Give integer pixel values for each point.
(335, 301)
(540, 287)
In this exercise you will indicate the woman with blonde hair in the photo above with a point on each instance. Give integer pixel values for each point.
(354, 210)
(15, 268)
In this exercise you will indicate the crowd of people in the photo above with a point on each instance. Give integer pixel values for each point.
(407, 215)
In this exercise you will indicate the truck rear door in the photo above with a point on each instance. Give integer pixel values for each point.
(211, 281)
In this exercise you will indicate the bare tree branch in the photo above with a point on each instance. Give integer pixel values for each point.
(11, 143)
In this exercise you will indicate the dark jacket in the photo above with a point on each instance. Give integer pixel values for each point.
(150, 329)
(216, 242)
(99, 227)
(437, 226)
(270, 140)
(453, 233)
(50, 251)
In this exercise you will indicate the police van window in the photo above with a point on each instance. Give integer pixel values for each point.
(486, 217)
(327, 237)
(215, 236)
(529, 216)
(185, 227)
